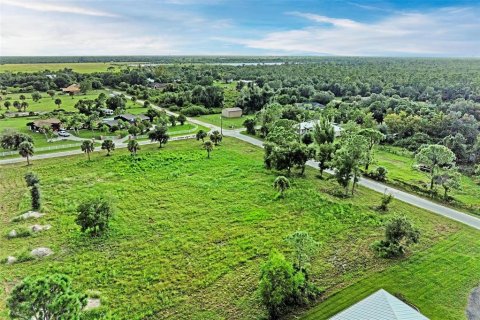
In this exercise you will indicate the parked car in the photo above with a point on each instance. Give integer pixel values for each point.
(63, 133)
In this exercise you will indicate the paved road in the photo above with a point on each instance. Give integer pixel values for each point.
(373, 185)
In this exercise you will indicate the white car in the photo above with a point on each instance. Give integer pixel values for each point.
(63, 133)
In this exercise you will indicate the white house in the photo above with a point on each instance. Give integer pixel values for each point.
(380, 305)
(309, 126)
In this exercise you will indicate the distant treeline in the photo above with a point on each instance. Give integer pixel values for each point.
(214, 59)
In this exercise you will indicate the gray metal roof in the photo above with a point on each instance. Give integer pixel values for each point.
(380, 306)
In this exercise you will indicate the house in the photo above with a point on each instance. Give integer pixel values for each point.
(310, 105)
(131, 118)
(157, 85)
(110, 122)
(309, 126)
(72, 89)
(107, 112)
(37, 125)
(232, 112)
(381, 305)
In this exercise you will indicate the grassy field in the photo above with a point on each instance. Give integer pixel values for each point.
(228, 123)
(400, 166)
(77, 67)
(190, 234)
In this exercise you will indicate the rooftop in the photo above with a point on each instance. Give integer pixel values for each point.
(380, 305)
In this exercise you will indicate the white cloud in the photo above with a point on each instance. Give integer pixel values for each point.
(444, 32)
(48, 6)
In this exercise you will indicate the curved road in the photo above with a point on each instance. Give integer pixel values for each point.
(371, 184)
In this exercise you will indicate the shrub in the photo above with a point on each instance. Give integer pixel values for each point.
(35, 193)
(193, 111)
(31, 179)
(399, 234)
(94, 216)
(380, 174)
(386, 199)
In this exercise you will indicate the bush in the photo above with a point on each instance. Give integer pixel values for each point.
(35, 193)
(399, 234)
(194, 111)
(31, 179)
(380, 174)
(386, 199)
(94, 216)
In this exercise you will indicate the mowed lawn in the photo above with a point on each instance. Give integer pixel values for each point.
(89, 67)
(400, 165)
(228, 123)
(190, 234)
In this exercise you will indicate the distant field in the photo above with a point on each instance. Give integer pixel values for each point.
(78, 67)
(190, 234)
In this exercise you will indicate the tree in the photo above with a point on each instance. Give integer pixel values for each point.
(7, 104)
(181, 118)
(208, 145)
(249, 124)
(51, 93)
(25, 149)
(216, 137)
(434, 157)
(279, 284)
(36, 96)
(94, 216)
(47, 131)
(35, 194)
(58, 102)
(303, 246)
(307, 138)
(281, 184)
(348, 159)
(324, 132)
(448, 179)
(31, 179)
(13, 139)
(17, 105)
(46, 297)
(133, 147)
(146, 104)
(22, 97)
(85, 85)
(24, 105)
(87, 147)
(324, 156)
(108, 145)
(373, 137)
(152, 114)
(201, 135)
(134, 130)
(160, 135)
(173, 120)
(399, 234)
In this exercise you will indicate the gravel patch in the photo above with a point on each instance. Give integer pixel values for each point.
(473, 307)
(29, 215)
(41, 252)
(92, 303)
(39, 227)
(11, 260)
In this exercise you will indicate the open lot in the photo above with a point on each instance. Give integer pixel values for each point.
(190, 234)
(228, 123)
(400, 165)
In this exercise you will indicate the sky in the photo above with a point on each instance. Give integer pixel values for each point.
(436, 28)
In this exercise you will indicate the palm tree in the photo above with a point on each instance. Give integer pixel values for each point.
(208, 145)
(133, 147)
(201, 135)
(87, 147)
(108, 145)
(47, 131)
(216, 137)
(281, 183)
(17, 105)
(24, 105)
(25, 149)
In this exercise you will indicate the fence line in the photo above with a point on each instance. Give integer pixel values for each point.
(55, 147)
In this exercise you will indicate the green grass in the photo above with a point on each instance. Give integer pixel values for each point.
(228, 123)
(400, 165)
(47, 104)
(190, 234)
(77, 67)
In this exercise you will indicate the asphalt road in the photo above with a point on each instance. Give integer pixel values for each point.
(368, 183)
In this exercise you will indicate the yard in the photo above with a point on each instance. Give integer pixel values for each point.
(189, 242)
(400, 165)
(228, 123)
